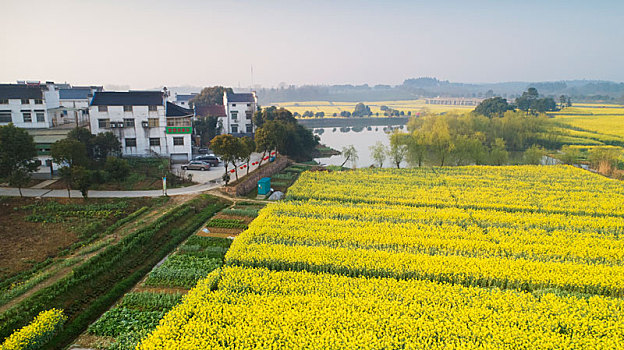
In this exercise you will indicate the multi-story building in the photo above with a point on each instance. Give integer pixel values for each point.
(24, 106)
(145, 123)
(239, 111)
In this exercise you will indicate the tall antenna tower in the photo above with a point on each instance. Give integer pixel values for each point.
(252, 81)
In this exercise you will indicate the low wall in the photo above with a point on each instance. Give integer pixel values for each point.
(249, 182)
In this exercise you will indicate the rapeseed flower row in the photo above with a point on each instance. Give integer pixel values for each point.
(36, 333)
(558, 189)
(263, 309)
(476, 271)
(443, 238)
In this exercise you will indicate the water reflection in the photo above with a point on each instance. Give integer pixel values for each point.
(361, 138)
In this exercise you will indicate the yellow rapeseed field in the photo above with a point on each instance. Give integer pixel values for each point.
(442, 258)
(329, 108)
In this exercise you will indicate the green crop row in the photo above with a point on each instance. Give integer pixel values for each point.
(283, 176)
(241, 212)
(148, 301)
(109, 324)
(53, 206)
(227, 223)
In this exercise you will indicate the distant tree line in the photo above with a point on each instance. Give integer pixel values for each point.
(579, 90)
(460, 139)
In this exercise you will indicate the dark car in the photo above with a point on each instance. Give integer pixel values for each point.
(212, 159)
(196, 165)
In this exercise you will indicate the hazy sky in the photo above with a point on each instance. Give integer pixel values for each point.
(149, 43)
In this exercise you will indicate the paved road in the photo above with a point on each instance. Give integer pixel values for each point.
(35, 192)
(216, 173)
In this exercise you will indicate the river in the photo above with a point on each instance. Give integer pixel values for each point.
(360, 137)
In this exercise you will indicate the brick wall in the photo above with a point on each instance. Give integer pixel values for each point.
(249, 182)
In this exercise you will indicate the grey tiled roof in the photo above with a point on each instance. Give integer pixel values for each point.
(74, 94)
(244, 97)
(15, 91)
(130, 98)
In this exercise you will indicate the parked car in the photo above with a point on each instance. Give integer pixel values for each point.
(197, 165)
(209, 158)
(203, 151)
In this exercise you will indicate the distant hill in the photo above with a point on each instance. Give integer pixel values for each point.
(414, 88)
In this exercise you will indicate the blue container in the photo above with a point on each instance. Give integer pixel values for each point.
(264, 186)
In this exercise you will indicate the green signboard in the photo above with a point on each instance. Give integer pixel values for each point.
(179, 130)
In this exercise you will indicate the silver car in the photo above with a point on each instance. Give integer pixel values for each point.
(197, 165)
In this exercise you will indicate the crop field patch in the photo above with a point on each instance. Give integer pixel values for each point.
(36, 229)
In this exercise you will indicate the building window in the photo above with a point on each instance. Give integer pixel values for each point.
(249, 128)
(102, 108)
(178, 121)
(152, 108)
(154, 141)
(38, 101)
(234, 128)
(178, 141)
(233, 104)
(131, 142)
(234, 114)
(40, 117)
(27, 117)
(103, 123)
(249, 105)
(4, 101)
(5, 117)
(25, 101)
(152, 122)
(248, 115)
(129, 122)
(127, 108)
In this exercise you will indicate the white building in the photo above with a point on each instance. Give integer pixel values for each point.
(24, 105)
(72, 104)
(239, 111)
(182, 100)
(145, 123)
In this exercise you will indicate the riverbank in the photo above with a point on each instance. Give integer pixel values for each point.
(352, 122)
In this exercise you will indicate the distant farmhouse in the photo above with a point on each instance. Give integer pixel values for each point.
(182, 100)
(145, 123)
(48, 111)
(32, 105)
(239, 111)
